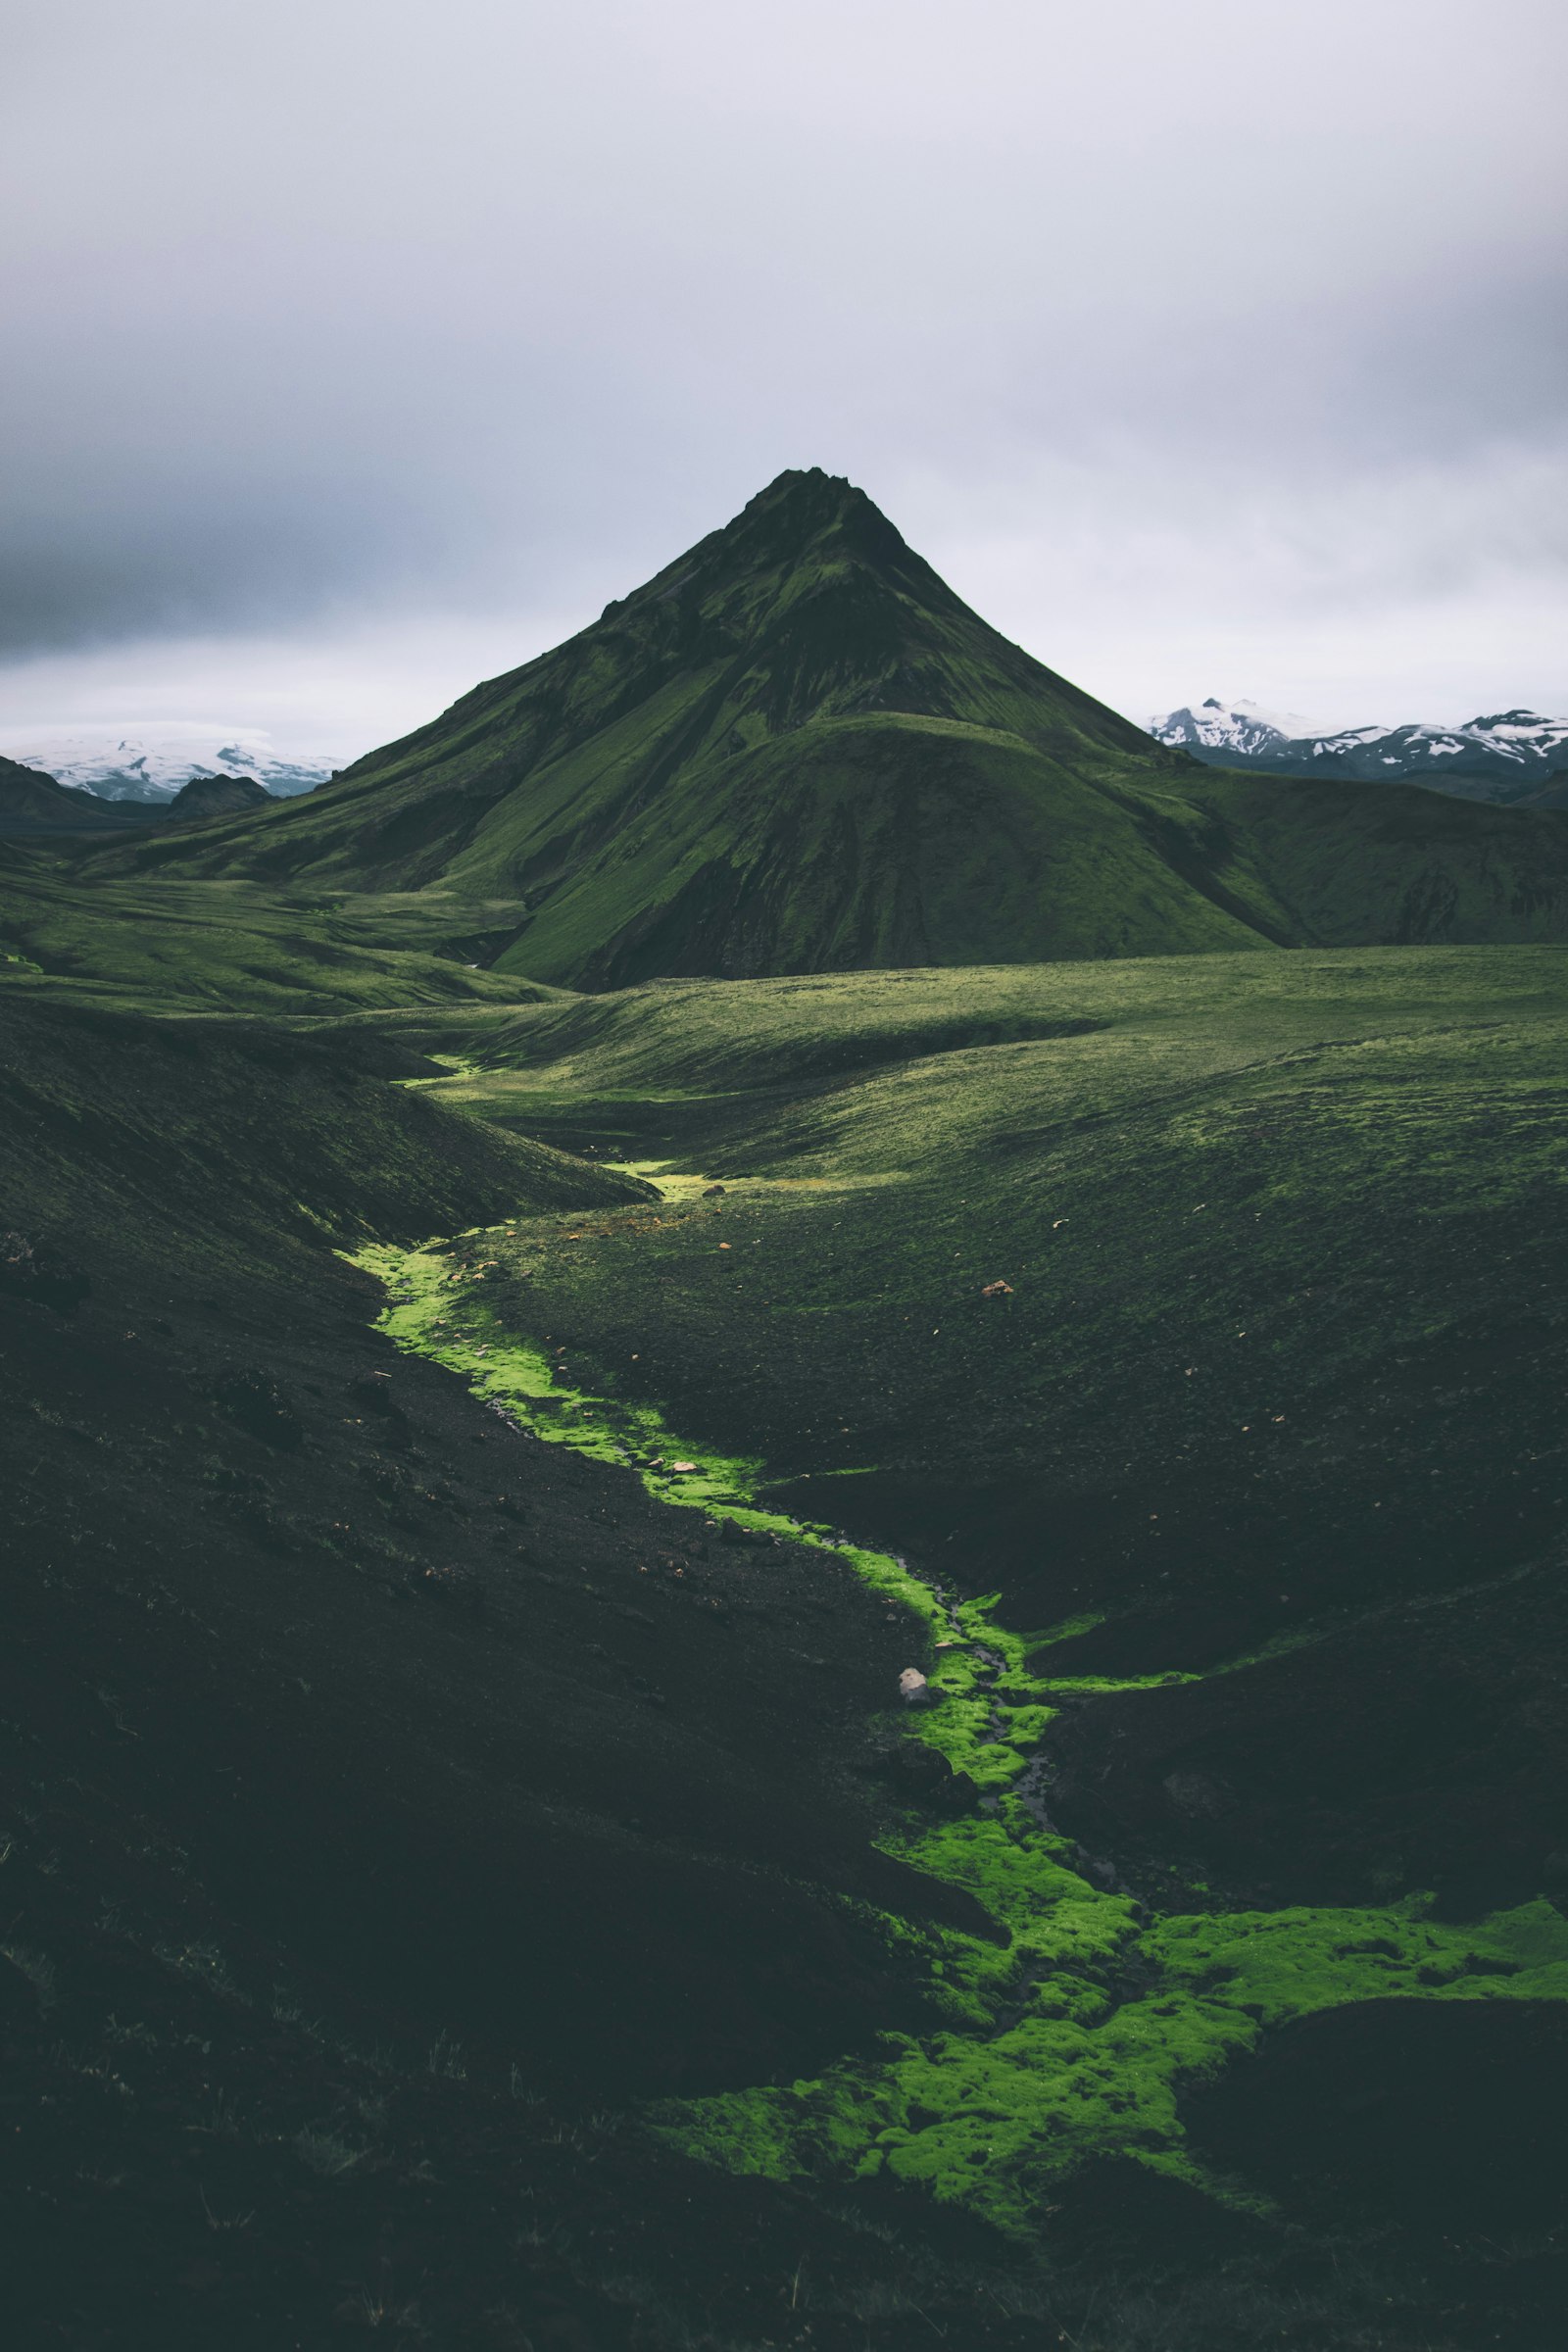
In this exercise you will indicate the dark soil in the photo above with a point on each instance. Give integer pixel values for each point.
(1423, 1748)
(328, 1695)
(388, 1800)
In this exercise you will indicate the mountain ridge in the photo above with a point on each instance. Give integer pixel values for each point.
(1507, 757)
(32, 802)
(795, 749)
(150, 762)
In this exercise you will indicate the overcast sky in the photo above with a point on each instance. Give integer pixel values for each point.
(357, 349)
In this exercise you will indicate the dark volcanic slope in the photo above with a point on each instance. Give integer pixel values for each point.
(369, 1771)
(487, 1760)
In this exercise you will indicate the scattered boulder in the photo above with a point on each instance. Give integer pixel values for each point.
(996, 1290)
(914, 1689)
(714, 1191)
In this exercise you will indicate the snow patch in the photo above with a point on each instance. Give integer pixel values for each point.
(152, 762)
(1487, 751)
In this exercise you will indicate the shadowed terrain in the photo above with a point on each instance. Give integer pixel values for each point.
(785, 1511)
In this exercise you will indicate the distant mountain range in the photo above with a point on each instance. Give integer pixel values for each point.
(33, 802)
(154, 763)
(1511, 757)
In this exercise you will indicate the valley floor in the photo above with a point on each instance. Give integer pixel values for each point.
(482, 1469)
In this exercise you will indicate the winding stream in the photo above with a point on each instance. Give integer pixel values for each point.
(1073, 2036)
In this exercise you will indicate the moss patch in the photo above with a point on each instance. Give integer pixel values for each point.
(1075, 2030)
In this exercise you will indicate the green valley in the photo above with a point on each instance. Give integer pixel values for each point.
(786, 1505)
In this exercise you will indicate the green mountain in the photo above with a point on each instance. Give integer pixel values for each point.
(797, 750)
(207, 797)
(33, 802)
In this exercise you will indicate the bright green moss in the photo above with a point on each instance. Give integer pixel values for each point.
(1072, 2034)
(1282, 1965)
(989, 2124)
(990, 2119)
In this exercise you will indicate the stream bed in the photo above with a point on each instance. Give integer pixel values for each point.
(1073, 2034)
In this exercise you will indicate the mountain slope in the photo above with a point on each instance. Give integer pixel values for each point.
(796, 747)
(797, 750)
(33, 802)
(1398, 867)
(206, 797)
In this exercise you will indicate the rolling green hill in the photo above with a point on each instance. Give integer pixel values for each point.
(204, 946)
(797, 750)
(1208, 1315)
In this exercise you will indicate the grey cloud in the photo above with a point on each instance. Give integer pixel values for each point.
(319, 311)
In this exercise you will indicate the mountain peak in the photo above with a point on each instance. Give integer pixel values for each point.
(1501, 755)
(799, 483)
(794, 747)
(804, 515)
(810, 495)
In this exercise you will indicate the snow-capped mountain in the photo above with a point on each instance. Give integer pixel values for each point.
(152, 762)
(1507, 756)
(1240, 728)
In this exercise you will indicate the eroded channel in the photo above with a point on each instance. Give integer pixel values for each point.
(1073, 2034)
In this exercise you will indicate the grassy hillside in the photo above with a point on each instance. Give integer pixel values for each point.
(87, 935)
(347, 1723)
(797, 750)
(33, 802)
(866, 842)
(1283, 1237)
(538, 1281)
(1344, 866)
(1208, 1316)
